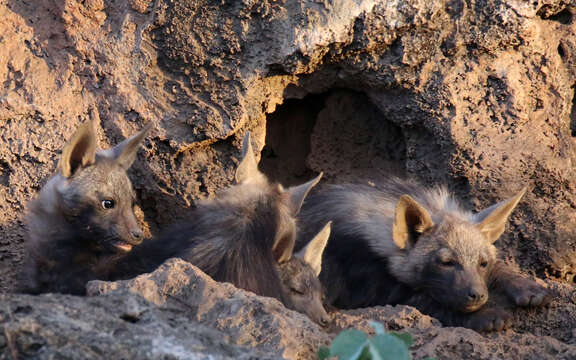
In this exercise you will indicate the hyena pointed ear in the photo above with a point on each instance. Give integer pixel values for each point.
(299, 193)
(80, 151)
(410, 219)
(283, 249)
(247, 170)
(312, 253)
(125, 152)
(492, 221)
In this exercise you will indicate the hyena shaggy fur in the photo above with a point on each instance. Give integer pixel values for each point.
(401, 243)
(82, 221)
(246, 236)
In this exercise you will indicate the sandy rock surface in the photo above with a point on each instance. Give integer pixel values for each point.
(110, 327)
(251, 320)
(265, 324)
(475, 94)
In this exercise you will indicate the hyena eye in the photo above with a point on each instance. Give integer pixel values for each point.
(484, 264)
(296, 291)
(108, 204)
(448, 263)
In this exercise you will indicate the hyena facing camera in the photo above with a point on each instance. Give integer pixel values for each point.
(401, 243)
(82, 221)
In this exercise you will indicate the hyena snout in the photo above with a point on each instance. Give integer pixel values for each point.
(477, 295)
(137, 234)
(318, 314)
(474, 296)
(133, 233)
(324, 319)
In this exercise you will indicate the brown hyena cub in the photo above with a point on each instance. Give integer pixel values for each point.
(401, 243)
(246, 237)
(83, 220)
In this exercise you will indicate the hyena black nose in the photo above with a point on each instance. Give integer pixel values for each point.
(324, 320)
(136, 234)
(475, 295)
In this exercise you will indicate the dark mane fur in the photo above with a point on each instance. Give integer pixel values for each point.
(229, 239)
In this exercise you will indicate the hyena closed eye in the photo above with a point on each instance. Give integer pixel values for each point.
(401, 243)
(82, 221)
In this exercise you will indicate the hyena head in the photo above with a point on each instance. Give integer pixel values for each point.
(298, 272)
(449, 260)
(299, 277)
(94, 194)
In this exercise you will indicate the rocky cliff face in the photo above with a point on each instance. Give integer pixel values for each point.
(474, 94)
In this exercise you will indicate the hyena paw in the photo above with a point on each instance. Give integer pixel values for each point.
(527, 292)
(489, 320)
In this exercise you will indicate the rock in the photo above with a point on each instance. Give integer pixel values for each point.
(114, 327)
(250, 320)
(432, 340)
(263, 323)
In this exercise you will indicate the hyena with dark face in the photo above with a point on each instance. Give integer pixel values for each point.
(401, 243)
(246, 237)
(83, 220)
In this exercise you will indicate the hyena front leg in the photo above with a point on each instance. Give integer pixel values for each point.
(521, 290)
(486, 319)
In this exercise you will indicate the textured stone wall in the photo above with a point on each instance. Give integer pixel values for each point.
(474, 94)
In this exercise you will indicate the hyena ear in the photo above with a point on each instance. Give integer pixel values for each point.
(247, 170)
(283, 249)
(298, 193)
(410, 219)
(492, 221)
(312, 253)
(80, 151)
(125, 152)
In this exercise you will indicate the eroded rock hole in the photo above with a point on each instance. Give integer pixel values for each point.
(563, 17)
(340, 132)
(5, 171)
(561, 50)
(573, 112)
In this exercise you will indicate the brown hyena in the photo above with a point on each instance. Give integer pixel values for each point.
(401, 243)
(82, 221)
(246, 237)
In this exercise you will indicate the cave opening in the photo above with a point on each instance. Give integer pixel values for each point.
(339, 132)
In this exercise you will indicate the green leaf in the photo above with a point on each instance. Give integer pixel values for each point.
(365, 354)
(405, 337)
(388, 347)
(323, 353)
(349, 344)
(378, 328)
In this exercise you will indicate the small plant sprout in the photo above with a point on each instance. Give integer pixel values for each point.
(354, 344)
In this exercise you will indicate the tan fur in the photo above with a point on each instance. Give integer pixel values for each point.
(312, 253)
(409, 216)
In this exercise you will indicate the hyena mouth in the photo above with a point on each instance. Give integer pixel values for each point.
(122, 246)
(472, 308)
